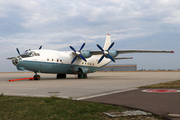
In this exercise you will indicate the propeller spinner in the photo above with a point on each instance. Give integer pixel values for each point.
(105, 53)
(78, 53)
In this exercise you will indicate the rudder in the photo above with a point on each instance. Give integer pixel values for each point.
(107, 42)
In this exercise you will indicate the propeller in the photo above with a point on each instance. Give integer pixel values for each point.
(40, 47)
(78, 53)
(18, 51)
(105, 53)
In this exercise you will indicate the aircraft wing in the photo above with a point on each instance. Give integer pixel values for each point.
(142, 51)
(96, 52)
(132, 51)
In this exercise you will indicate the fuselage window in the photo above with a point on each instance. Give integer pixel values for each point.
(82, 62)
(52, 59)
(90, 63)
(60, 60)
(47, 59)
(57, 60)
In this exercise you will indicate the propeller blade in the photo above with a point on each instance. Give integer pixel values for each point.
(110, 46)
(73, 59)
(82, 46)
(18, 51)
(82, 58)
(10, 58)
(72, 48)
(100, 47)
(110, 57)
(100, 59)
(40, 47)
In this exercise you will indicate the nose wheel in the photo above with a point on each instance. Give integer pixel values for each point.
(37, 77)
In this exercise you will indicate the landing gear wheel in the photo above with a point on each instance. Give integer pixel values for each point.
(85, 75)
(59, 76)
(37, 77)
(81, 76)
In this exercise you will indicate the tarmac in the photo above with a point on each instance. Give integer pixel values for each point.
(117, 88)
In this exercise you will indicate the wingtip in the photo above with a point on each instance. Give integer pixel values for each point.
(108, 34)
(172, 51)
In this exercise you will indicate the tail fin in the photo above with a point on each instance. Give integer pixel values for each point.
(107, 42)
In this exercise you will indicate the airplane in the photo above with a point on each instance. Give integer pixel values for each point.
(79, 62)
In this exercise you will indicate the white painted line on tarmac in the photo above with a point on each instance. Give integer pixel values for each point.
(82, 98)
(39, 96)
(16, 94)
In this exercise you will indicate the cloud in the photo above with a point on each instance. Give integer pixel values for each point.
(56, 24)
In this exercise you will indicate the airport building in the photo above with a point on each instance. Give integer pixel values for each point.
(119, 68)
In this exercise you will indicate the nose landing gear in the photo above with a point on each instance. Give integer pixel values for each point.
(36, 76)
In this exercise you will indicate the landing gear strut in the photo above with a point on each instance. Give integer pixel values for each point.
(59, 76)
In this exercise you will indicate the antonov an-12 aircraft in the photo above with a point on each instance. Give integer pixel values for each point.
(80, 62)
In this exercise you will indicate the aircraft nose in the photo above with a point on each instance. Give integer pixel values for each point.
(15, 61)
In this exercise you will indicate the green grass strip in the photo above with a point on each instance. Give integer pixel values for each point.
(29, 108)
(172, 84)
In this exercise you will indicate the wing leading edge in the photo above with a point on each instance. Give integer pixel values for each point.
(132, 51)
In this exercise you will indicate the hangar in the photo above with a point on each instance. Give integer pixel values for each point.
(119, 68)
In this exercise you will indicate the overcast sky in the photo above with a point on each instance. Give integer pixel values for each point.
(56, 24)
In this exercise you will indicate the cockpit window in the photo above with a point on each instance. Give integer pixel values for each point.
(32, 53)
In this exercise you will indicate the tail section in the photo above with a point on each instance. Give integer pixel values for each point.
(107, 42)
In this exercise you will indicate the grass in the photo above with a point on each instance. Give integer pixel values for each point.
(172, 84)
(29, 108)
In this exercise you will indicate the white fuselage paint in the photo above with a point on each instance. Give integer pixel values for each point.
(64, 58)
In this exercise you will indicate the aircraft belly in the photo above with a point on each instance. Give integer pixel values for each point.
(44, 67)
(56, 68)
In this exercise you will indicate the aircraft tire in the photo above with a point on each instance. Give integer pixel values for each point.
(84, 75)
(37, 77)
(81, 76)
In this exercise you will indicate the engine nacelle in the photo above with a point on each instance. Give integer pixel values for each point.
(113, 53)
(86, 54)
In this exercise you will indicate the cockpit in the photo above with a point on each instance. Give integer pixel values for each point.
(29, 53)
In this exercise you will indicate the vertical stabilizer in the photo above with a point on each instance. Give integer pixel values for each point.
(107, 42)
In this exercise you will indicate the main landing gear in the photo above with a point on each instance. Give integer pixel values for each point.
(82, 76)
